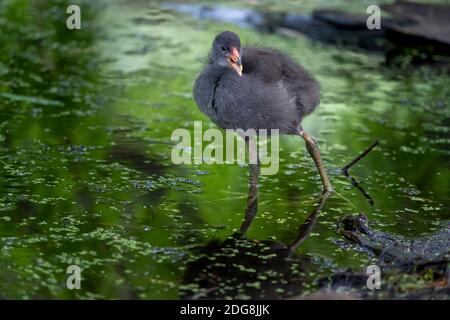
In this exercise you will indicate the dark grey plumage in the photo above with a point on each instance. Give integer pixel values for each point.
(274, 92)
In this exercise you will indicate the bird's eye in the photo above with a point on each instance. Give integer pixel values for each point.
(223, 48)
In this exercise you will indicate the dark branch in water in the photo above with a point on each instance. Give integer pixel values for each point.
(353, 180)
(362, 155)
(358, 186)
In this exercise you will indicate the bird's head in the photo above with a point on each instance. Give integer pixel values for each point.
(226, 51)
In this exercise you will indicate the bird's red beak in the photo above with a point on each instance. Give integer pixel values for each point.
(235, 61)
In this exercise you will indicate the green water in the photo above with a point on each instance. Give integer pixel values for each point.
(85, 123)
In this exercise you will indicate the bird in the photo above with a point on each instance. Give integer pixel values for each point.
(245, 87)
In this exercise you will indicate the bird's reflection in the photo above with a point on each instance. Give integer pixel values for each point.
(243, 268)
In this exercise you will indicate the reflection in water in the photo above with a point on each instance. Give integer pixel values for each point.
(358, 186)
(355, 183)
(243, 268)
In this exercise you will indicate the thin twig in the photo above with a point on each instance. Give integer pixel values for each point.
(359, 187)
(353, 180)
(362, 155)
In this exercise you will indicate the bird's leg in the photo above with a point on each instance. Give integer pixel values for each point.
(313, 150)
(252, 198)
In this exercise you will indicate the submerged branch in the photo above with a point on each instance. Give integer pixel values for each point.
(362, 155)
(353, 180)
(359, 187)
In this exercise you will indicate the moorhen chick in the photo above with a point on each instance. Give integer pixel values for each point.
(257, 88)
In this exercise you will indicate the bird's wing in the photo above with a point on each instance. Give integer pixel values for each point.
(263, 63)
(274, 67)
